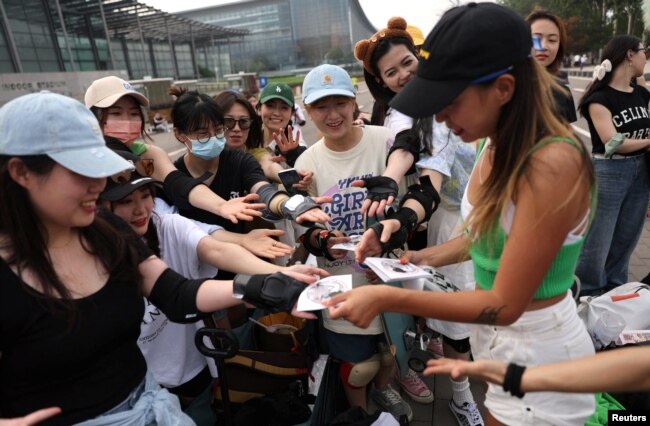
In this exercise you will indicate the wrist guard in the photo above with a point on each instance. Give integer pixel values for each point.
(296, 205)
(426, 195)
(380, 187)
(305, 239)
(266, 194)
(396, 240)
(291, 155)
(276, 292)
(407, 218)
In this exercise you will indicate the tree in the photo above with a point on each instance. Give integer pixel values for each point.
(205, 72)
(590, 23)
(335, 55)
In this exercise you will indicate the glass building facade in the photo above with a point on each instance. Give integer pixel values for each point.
(289, 34)
(46, 36)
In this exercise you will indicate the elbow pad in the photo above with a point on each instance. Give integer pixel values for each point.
(426, 195)
(405, 140)
(175, 295)
(275, 292)
(177, 186)
(266, 194)
(292, 155)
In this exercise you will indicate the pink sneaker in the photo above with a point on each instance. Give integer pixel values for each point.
(415, 388)
(435, 347)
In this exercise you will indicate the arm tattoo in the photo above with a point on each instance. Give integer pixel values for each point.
(489, 315)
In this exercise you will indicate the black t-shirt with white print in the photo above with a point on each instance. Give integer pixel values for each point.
(630, 115)
(236, 174)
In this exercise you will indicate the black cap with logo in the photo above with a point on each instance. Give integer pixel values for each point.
(470, 44)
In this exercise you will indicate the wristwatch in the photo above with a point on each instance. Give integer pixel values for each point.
(239, 285)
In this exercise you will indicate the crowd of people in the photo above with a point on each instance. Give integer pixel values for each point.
(112, 254)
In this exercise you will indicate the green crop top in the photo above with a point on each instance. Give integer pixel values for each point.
(486, 251)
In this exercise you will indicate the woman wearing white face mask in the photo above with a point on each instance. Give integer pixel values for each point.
(198, 124)
(117, 107)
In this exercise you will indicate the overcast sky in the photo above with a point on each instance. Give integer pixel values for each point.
(423, 14)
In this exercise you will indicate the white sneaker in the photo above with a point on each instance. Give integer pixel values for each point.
(391, 402)
(466, 414)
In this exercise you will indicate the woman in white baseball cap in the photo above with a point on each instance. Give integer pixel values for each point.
(118, 107)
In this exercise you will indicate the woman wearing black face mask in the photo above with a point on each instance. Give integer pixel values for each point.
(198, 124)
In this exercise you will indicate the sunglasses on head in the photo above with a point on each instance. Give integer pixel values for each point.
(144, 167)
(244, 123)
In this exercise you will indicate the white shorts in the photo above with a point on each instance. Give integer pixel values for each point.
(443, 226)
(543, 336)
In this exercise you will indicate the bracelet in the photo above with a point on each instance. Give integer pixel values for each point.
(305, 239)
(512, 379)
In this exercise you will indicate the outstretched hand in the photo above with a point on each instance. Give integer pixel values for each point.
(242, 208)
(316, 215)
(284, 143)
(371, 244)
(32, 418)
(261, 243)
(381, 193)
(359, 305)
(308, 275)
(486, 370)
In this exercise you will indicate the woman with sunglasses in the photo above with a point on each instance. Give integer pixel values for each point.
(615, 106)
(169, 348)
(549, 42)
(73, 277)
(117, 106)
(244, 132)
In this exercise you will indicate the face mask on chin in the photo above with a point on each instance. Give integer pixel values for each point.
(210, 149)
(124, 130)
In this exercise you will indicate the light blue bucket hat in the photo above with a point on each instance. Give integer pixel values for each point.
(60, 127)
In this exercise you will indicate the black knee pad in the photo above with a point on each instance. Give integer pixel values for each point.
(460, 346)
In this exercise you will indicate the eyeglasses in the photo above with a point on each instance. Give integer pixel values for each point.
(645, 50)
(244, 122)
(144, 167)
(204, 137)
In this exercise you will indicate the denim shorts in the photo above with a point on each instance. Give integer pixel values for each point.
(353, 347)
(130, 400)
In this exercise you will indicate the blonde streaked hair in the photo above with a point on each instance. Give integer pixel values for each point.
(527, 119)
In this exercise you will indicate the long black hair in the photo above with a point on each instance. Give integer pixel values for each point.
(616, 52)
(193, 110)
(421, 132)
(25, 240)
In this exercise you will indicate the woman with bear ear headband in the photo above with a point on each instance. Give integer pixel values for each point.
(390, 62)
(615, 106)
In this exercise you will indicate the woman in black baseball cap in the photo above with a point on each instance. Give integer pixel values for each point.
(526, 209)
